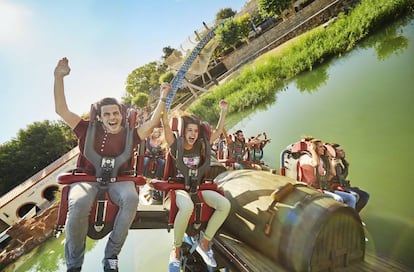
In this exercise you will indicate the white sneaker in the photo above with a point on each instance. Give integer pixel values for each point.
(174, 263)
(207, 256)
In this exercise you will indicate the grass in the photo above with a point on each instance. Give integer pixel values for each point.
(259, 81)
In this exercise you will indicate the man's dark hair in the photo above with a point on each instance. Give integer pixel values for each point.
(105, 102)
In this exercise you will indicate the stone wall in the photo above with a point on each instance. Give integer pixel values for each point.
(29, 233)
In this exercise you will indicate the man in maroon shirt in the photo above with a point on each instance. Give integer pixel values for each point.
(109, 142)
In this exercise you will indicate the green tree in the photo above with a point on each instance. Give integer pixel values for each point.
(167, 77)
(228, 34)
(274, 8)
(168, 50)
(36, 147)
(143, 80)
(8, 165)
(68, 133)
(224, 13)
(245, 26)
(140, 100)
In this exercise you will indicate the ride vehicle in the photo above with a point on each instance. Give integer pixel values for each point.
(285, 224)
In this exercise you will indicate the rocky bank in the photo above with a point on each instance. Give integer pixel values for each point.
(29, 233)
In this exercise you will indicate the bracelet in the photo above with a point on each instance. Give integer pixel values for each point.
(163, 99)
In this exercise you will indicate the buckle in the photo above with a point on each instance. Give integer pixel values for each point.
(107, 166)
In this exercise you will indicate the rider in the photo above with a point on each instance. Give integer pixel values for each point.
(256, 150)
(317, 171)
(237, 146)
(220, 146)
(192, 157)
(109, 142)
(155, 149)
(342, 168)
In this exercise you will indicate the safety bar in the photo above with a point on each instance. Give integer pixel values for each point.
(69, 178)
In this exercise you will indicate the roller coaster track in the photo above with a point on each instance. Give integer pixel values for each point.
(176, 81)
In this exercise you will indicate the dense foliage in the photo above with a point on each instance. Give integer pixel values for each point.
(273, 8)
(143, 80)
(228, 34)
(36, 147)
(224, 14)
(259, 82)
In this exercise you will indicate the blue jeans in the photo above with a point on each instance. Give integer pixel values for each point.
(81, 197)
(348, 198)
(363, 197)
(160, 166)
(341, 196)
(333, 195)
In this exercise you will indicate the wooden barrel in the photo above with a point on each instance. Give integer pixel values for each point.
(295, 225)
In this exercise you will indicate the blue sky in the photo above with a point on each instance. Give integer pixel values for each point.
(104, 41)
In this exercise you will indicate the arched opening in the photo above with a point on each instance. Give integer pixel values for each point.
(50, 193)
(29, 209)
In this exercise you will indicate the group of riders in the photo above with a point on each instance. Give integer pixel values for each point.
(320, 165)
(181, 151)
(234, 151)
(324, 167)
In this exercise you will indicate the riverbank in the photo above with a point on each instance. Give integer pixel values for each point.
(258, 82)
(28, 234)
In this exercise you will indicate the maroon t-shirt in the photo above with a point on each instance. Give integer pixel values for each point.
(106, 145)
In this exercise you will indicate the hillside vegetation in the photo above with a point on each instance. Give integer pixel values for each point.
(258, 82)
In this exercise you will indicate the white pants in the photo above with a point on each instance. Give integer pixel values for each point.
(185, 209)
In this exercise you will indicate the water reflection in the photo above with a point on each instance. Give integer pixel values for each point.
(389, 41)
(363, 101)
(399, 231)
(312, 81)
(52, 257)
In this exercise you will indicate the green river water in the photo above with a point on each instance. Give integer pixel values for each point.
(363, 100)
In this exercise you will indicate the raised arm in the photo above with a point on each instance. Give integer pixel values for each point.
(145, 130)
(315, 156)
(168, 133)
(255, 140)
(227, 137)
(342, 171)
(220, 124)
(62, 69)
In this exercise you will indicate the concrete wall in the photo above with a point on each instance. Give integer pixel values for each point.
(32, 192)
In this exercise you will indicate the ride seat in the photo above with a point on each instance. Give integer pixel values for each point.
(110, 210)
(227, 159)
(177, 126)
(170, 182)
(289, 160)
